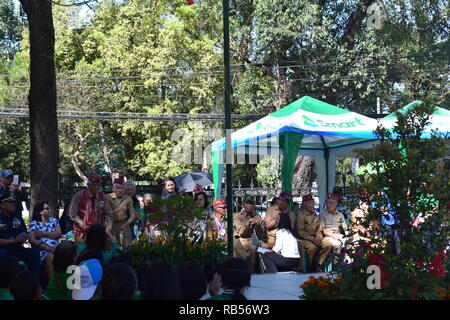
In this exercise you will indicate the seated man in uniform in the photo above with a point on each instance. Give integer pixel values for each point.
(216, 227)
(13, 234)
(245, 223)
(310, 234)
(331, 220)
(272, 217)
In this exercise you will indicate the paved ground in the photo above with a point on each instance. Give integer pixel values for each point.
(279, 286)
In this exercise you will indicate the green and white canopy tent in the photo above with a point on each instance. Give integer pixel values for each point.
(439, 121)
(305, 127)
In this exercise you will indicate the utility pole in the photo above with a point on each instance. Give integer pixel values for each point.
(227, 103)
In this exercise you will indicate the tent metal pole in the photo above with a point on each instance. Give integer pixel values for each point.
(326, 155)
(227, 103)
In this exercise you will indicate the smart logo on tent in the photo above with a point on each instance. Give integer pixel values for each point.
(346, 124)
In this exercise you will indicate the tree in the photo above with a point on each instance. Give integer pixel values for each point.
(44, 153)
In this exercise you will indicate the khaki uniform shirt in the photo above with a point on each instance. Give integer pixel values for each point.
(272, 213)
(332, 221)
(212, 231)
(75, 205)
(308, 225)
(116, 203)
(243, 228)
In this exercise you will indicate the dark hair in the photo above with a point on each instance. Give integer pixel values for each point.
(170, 179)
(285, 222)
(274, 201)
(206, 198)
(38, 207)
(161, 282)
(235, 275)
(337, 190)
(122, 258)
(96, 237)
(211, 270)
(249, 201)
(64, 256)
(25, 286)
(88, 254)
(119, 282)
(9, 267)
(142, 274)
(193, 283)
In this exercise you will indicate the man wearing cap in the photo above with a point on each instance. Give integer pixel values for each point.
(123, 211)
(90, 275)
(7, 186)
(216, 228)
(309, 231)
(13, 234)
(331, 221)
(272, 216)
(245, 222)
(88, 207)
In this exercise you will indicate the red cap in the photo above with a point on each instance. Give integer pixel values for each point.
(197, 188)
(119, 180)
(332, 196)
(285, 196)
(219, 203)
(94, 178)
(307, 197)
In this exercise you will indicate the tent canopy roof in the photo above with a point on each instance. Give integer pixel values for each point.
(323, 125)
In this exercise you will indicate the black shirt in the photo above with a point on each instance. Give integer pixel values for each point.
(11, 227)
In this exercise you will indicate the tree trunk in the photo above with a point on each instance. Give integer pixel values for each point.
(302, 175)
(44, 155)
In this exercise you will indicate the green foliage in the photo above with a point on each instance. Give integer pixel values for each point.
(268, 171)
(180, 240)
(413, 186)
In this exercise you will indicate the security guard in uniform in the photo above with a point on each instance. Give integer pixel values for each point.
(310, 232)
(272, 216)
(245, 222)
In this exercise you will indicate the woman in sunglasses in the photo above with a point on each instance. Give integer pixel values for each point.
(44, 232)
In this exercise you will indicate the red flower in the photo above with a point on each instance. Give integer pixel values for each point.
(436, 268)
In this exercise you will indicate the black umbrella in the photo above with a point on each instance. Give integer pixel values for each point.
(188, 180)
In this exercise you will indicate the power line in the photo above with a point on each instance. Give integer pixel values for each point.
(259, 65)
(73, 4)
(348, 78)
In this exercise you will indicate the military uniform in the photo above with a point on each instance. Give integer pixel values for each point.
(332, 221)
(272, 214)
(243, 246)
(120, 218)
(10, 228)
(307, 226)
(216, 230)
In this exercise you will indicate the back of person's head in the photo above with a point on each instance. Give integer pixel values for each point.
(161, 283)
(96, 237)
(122, 258)
(88, 254)
(37, 209)
(274, 201)
(119, 282)
(235, 275)
(211, 270)
(142, 274)
(9, 268)
(64, 255)
(285, 222)
(25, 286)
(193, 283)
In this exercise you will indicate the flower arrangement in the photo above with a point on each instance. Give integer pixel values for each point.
(321, 288)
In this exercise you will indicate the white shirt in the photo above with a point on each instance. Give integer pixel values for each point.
(286, 244)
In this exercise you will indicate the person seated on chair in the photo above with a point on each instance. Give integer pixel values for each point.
(331, 221)
(13, 234)
(285, 252)
(272, 216)
(310, 234)
(245, 223)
